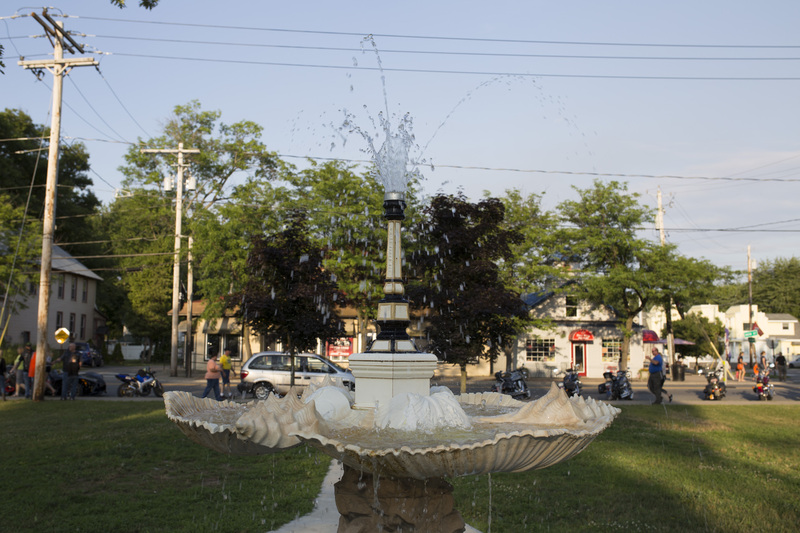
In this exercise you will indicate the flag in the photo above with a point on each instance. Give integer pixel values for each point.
(758, 329)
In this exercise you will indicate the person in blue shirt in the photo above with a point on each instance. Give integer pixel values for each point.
(655, 382)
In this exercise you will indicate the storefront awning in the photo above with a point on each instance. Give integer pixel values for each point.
(226, 324)
(649, 335)
(581, 335)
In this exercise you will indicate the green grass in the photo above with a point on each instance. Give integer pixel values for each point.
(683, 468)
(122, 466)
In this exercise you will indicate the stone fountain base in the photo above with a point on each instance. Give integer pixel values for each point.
(395, 505)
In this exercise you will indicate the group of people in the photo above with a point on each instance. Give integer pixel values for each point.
(761, 368)
(24, 371)
(219, 369)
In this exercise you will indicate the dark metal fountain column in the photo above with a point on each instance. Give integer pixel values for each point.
(393, 315)
(393, 364)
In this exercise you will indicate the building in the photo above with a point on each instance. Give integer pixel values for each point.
(774, 332)
(72, 305)
(584, 337)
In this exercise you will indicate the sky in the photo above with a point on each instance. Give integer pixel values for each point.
(697, 99)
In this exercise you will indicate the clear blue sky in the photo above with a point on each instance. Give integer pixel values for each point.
(674, 90)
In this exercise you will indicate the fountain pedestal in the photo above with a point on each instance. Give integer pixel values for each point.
(381, 376)
(388, 504)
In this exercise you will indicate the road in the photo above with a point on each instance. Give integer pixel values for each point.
(685, 392)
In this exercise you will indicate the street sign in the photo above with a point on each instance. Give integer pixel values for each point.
(750, 333)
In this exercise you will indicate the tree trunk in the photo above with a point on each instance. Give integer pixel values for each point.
(625, 349)
(463, 380)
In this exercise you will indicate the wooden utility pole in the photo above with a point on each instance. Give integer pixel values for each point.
(668, 304)
(59, 67)
(752, 350)
(176, 265)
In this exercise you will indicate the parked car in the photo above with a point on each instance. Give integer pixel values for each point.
(89, 355)
(795, 363)
(267, 372)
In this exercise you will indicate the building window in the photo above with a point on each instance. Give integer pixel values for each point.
(785, 326)
(571, 303)
(60, 281)
(26, 336)
(539, 349)
(59, 320)
(218, 343)
(73, 293)
(83, 327)
(31, 288)
(612, 350)
(72, 325)
(85, 293)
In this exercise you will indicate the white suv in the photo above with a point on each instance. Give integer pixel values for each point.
(267, 372)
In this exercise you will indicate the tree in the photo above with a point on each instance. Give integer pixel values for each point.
(288, 294)
(20, 252)
(225, 150)
(616, 268)
(776, 286)
(140, 228)
(459, 283)
(23, 174)
(699, 330)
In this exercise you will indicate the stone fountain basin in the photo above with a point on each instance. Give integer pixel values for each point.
(506, 435)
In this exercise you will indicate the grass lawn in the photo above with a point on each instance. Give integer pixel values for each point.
(679, 468)
(122, 466)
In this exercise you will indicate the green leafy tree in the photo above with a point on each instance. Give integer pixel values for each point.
(458, 281)
(288, 295)
(225, 150)
(21, 248)
(776, 286)
(616, 268)
(700, 330)
(23, 175)
(141, 232)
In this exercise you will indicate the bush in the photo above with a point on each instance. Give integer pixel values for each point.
(116, 355)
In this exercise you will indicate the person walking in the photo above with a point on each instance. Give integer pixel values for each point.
(227, 366)
(655, 382)
(29, 354)
(19, 371)
(71, 362)
(780, 362)
(3, 376)
(213, 371)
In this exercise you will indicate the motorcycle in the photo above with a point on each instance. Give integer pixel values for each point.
(616, 387)
(571, 384)
(511, 383)
(716, 389)
(140, 384)
(764, 389)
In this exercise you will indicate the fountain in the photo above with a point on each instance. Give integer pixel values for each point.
(398, 437)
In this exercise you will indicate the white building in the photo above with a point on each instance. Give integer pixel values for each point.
(72, 305)
(779, 332)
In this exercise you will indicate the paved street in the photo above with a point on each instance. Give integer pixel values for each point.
(684, 392)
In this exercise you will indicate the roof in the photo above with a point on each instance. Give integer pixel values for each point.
(781, 317)
(64, 262)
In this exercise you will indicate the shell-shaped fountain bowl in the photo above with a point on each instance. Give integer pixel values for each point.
(253, 428)
(505, 435)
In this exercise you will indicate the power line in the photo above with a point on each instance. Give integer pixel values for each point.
(443, 52)
(462, 72)
(436, 37)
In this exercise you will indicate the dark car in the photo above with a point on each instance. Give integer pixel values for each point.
(89, 355)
